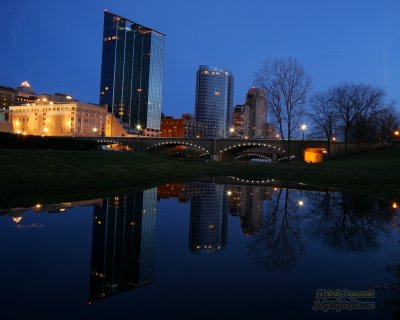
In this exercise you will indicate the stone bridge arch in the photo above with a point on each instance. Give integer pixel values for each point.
(162, 144)
(228, 151)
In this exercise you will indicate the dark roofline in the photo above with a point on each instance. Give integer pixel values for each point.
(138, 24)
(8, 88)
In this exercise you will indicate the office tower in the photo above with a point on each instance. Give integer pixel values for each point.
(123, 243)
(254, 113)
(132, 72)
(214, 100)
(237, 121)
(208, 220)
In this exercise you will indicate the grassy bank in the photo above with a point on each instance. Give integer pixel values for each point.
(28, 175)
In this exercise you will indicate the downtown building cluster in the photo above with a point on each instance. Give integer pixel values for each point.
(130, 102)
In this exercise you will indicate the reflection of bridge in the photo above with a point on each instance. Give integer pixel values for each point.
(220, 149)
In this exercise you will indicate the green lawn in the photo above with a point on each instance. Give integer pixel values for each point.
(38, 175)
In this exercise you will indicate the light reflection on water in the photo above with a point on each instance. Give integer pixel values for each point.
(206, 241)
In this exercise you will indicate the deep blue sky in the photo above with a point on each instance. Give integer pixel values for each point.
(56, 45)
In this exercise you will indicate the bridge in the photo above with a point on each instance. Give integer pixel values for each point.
(223, 149)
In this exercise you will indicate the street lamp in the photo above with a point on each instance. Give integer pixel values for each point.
(45, 130)
(94, 130)
(138, 128)
(232, 130)
(304, 128)
(397, 133)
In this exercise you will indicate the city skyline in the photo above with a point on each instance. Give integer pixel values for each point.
(334, 42)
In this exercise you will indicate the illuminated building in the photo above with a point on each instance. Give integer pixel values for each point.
(49, 118)
(208, 220)
(237, 120)
(254, 113)
(269, 131)
(123, 243)
(13, 97)
(132, 72)
(214, 100)
(184, 127)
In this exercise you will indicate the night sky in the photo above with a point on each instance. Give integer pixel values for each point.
(56, 45)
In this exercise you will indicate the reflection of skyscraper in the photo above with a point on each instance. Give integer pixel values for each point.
(247, 203)
(208, 220)
(214, 100)
(251, 209)
(132, 72)
(123, 243)
(182, 191)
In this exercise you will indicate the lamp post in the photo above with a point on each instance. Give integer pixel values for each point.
(232, 131)
(304, 128)
(138, 129)
(94, 130)
(45, 130)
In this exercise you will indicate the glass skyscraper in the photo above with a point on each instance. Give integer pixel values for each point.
(214, 100)
(132, 72)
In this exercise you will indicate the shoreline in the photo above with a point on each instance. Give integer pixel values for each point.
(36, 175)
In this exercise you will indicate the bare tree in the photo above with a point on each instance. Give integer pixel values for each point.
(286, 86)
(387, 121)
(324, 115)
(357, 106)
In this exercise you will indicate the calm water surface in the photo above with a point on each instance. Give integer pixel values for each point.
(202, 250)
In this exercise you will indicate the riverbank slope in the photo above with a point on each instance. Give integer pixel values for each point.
(39, 174)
